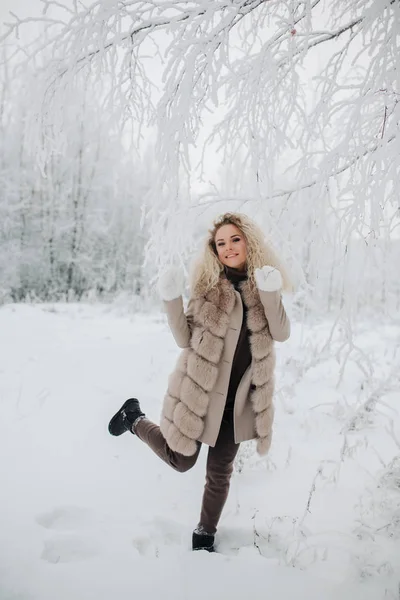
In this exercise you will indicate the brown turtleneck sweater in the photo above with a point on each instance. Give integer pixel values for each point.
(242, 356)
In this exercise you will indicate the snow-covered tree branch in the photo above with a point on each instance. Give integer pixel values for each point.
(71, 231)
(303, 96)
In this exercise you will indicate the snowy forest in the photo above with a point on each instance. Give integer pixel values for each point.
(126, 127)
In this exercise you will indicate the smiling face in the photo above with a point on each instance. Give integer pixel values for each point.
(231, 247)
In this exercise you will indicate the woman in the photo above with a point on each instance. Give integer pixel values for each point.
(221, 391)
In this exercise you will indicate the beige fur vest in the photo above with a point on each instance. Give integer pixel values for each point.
(187, 400)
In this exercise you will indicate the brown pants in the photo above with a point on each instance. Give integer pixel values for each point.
(219, 466)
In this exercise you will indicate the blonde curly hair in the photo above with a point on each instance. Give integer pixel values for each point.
(208, 268)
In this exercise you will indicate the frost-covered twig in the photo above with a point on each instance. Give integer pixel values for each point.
(314, 138)
(362, 414)
(392, 434)
(256, 535)
(311, 493)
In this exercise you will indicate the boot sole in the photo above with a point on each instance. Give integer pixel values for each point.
(117, 426)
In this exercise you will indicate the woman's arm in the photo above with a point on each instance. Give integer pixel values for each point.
(180, 322)
(278, 321)
(269, 283)
(170, 287)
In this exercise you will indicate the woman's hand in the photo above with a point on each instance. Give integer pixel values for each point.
(170, 284)
(268, 279)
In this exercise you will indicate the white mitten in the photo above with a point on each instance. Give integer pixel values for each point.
(170, 284)
(268, 279)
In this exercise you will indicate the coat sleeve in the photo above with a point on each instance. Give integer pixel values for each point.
(278, 321)
(180, 322)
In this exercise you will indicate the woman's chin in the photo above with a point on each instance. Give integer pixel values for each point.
(240, 266)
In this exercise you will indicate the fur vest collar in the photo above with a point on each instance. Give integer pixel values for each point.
(187, 400)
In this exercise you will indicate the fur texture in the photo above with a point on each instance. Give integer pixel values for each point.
(202, 372)
(194, 396)
(207, 345)
(187, 400)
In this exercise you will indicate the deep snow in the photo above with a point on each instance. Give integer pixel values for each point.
(84, 515)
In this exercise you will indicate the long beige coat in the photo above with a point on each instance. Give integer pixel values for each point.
(209, 332)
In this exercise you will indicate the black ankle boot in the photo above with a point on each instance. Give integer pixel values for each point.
(202, 540)
(126, 416)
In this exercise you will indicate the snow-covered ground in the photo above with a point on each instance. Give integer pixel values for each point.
(84, 515)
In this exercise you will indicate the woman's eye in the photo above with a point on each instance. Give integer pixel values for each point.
(236, 240)
(220, 244)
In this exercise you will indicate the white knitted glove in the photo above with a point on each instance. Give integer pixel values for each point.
(170, 284)
(268, 279)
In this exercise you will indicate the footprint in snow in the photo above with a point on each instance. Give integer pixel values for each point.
(158, 535)
(66, 518)
(66, 546)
